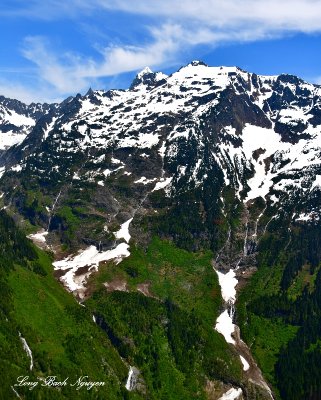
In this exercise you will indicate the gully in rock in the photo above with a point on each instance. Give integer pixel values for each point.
(228, 282)
(225, 325)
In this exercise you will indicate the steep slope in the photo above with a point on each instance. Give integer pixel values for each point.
(18, 119)
(49, 341)
(203, 129)
(44, 332)
(209, 158)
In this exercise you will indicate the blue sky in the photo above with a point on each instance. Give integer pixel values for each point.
(51, 49)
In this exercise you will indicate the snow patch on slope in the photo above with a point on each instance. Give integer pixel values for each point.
(245, 364)
(39, 236)
(225, 326)
(232, 394)
(17, 119)
(257, 138)
(227, 282)
(9, 139)
(162, 184)
(89, 259)
(123, 232)
(224, 323)
(144, 181)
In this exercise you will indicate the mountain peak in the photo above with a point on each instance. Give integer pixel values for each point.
(90, 92)
(196, 63)
(147, 78)
(143, 72)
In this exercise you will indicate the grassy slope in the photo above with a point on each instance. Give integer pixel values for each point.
(278, 310)
(61, 334)
(265, 336)
(170, 338)
(185, 278)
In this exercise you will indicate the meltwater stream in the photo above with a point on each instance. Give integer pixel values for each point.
(27, 349)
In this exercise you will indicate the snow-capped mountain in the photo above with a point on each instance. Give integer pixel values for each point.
(209, 157)
(200, 130)
(18, 119)
(262, 133)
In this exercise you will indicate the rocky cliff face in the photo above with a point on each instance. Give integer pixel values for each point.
(203, 129)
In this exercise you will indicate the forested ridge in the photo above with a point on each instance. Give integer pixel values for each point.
(289, 297)
(168, 337)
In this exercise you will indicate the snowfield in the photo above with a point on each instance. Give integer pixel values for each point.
(90, 258)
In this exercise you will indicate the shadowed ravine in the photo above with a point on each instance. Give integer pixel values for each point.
(231, 332)
(229, 276)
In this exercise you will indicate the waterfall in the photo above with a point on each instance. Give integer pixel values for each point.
(52, 209)
(27, 350)
(245, 238)
(225, 244)
(225, 323)
(257, 222)
(273, 217)
(232, 394)
(132, 378)
(15, 392)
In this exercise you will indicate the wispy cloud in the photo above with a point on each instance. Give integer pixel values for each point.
(175, 28)
(271, 15)
(298, 15)
(45, 10)
(69, 73)
(28, 93)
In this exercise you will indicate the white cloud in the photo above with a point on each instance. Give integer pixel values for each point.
(269, 15)
(28, 94)
(297, 15)
(178, 26)
(46, 10)
(57, 71)
(70, 73)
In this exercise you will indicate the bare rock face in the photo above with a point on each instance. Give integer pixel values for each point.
(207, 146)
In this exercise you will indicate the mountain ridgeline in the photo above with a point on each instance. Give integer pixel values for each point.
(135, 198)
